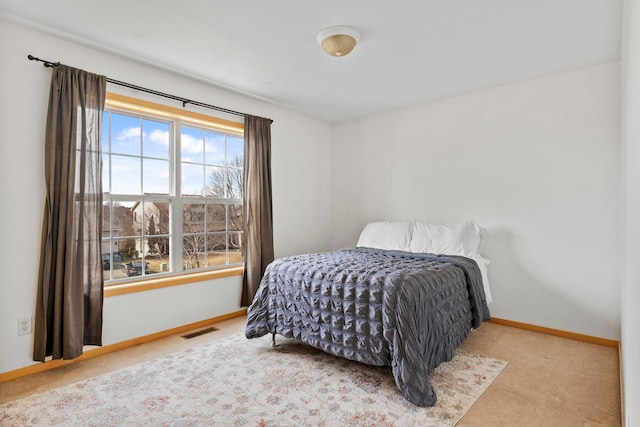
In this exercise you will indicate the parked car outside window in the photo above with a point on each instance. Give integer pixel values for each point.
(106, 262)
(134, 268)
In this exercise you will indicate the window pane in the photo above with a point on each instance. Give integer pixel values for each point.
(192, 179)
(235, 256)
(156, 176)
(236, 217)
(105, 131)
(106, 173)
(193, 218)
(155, 261)
(107, 242)
(138, 186)
(235, 177)
(139, 224)
(216, 217)
(159, 264)
(217, 249)
(214, 149)
(235, 247)
(235, 151)
(136, 265)
(127, 249)
(134, 252)
(125, 175)
(124, 219)
(155, 139)
(118, 269)
(106, 219)
(193, 251)
(156, 220)
(192, 143)
(216, 181)
(161, 245)
(163, 220)
(125, 134)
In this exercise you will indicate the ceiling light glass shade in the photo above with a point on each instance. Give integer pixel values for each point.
(339, 40)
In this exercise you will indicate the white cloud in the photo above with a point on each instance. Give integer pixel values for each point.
(191, 144)
(158, 136)
(132, 133)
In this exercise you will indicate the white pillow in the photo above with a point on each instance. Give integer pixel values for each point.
(463, 238)
(386, 235)
(417, 236)
(482, 265)
(452, 239)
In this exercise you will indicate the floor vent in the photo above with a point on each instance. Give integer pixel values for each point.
(200, 332)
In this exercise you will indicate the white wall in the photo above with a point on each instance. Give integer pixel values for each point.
(536, 163)
(301, 159)
(631, 212)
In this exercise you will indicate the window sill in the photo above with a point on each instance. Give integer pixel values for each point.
(164, 282)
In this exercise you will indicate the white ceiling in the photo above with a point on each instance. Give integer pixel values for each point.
(412, 51)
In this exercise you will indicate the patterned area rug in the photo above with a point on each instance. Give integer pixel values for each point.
(240, 382)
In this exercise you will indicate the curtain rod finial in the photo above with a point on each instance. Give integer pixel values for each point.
(47, 64)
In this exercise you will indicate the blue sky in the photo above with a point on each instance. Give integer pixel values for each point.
(139, 161)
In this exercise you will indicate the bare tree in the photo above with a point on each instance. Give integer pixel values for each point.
(227, 182)
(205, 225)
(193, 242)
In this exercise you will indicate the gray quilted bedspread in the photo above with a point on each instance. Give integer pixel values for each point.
(383, 308)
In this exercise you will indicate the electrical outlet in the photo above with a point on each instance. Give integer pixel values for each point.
(24, 325)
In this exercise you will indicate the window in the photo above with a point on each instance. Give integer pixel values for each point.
(172, 183)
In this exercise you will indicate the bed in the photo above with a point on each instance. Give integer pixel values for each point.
(386, 302)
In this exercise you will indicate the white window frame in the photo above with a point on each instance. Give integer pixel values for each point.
(175, 118)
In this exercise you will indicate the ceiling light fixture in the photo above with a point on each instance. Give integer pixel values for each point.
(339, 40)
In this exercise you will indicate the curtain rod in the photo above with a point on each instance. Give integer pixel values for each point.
(185, 101)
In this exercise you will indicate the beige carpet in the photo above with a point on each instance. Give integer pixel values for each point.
(234, 381)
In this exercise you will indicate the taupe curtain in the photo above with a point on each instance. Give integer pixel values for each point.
(70, 284)
(258, 213)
